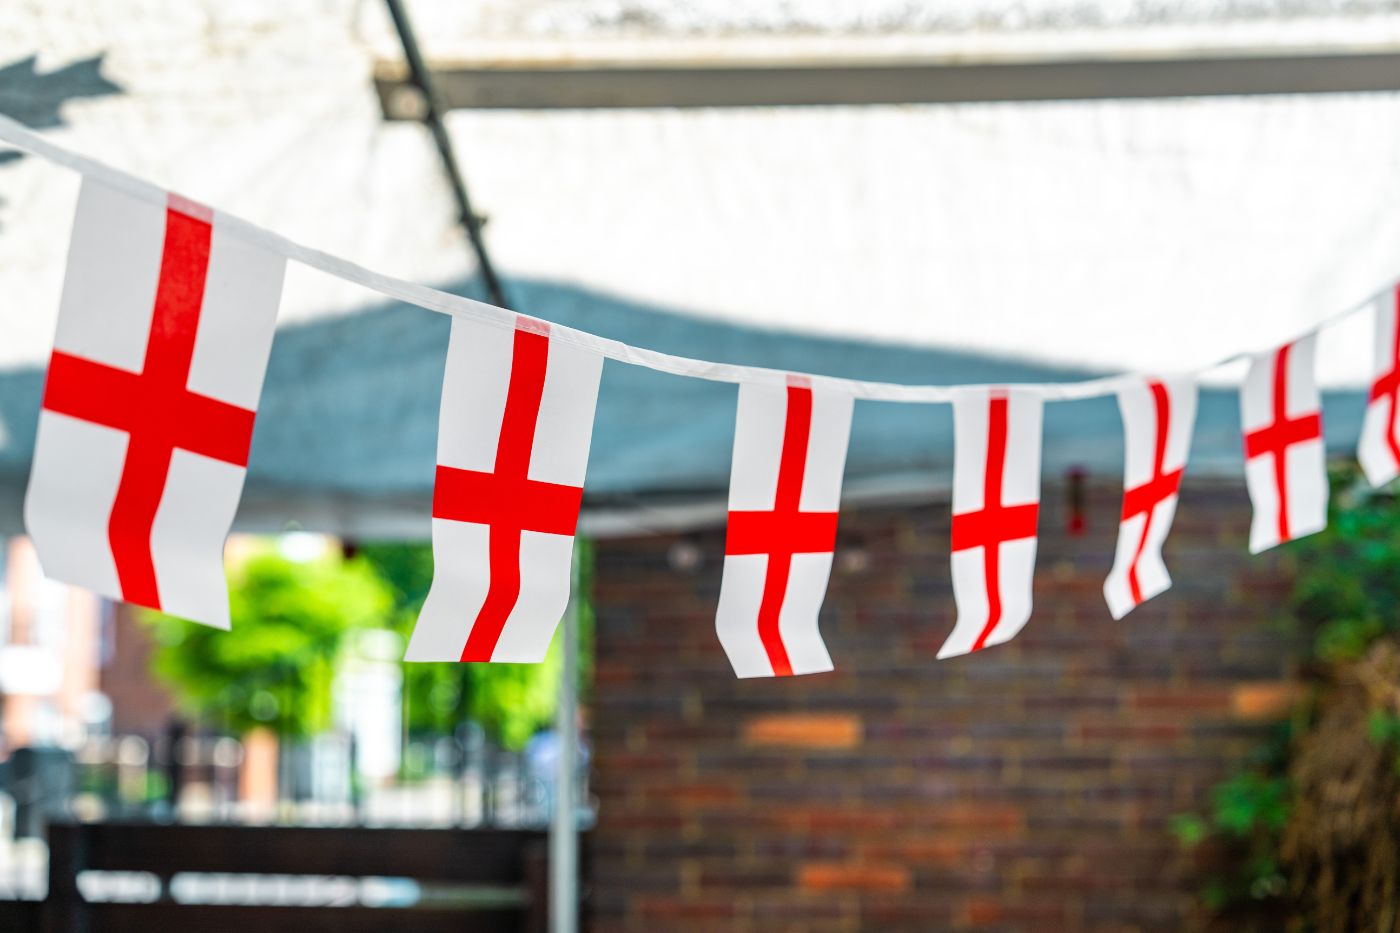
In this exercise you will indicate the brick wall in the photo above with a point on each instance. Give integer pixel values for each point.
(1025, 788)
(140, 704)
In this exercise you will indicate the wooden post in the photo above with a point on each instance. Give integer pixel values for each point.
(257, 788)
(64, 910)
(536, 870)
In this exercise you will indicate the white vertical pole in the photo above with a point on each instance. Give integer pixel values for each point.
(563, 828)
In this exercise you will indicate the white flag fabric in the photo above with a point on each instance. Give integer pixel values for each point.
(1158, 415)
(1379, 447)
(164, 330)
(1285, 466)
(784, 492)
(996, 505)
(513, 436)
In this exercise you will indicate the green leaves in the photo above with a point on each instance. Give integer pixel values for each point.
(1347, 594)
(1347, 584)
(1247, 814)
(1342, 640)
(511, 701)
(292, 622)
(277, 665)
(1249, 803)
(1190, 829)
(1383, 728)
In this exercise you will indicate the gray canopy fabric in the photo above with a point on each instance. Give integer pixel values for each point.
(347, 427)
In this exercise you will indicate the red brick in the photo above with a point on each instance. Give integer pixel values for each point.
(804, 730)
(973, 816)
(692, 795)
(945, 852)
(1130, 732)
(1268, 700)
(681, 908)
(828, 876)
(982, 912)
(1200, 699)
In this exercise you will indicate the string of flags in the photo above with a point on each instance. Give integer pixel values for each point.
(166, 322)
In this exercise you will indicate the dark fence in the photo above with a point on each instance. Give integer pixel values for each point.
(19, 916)
(448, 780)
(485, 879)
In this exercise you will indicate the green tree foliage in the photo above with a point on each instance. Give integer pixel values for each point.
(511, 701)
(290, 623)
(276, 667)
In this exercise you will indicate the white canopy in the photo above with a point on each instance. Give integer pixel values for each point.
(1115, 234)
(1101, 236)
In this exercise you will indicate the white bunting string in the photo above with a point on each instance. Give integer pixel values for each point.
(17, 135)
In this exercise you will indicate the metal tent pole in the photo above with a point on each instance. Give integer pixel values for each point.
(432, 116)
(563, 827)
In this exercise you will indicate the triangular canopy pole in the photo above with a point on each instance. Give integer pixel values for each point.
(432, 116)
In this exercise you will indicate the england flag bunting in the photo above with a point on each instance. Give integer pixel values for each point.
(513, 436)
(1379, 448)
(1158, 415)
(1285, 468)
(996, 503)
(164, 329)
(784, 491)
(166, 321)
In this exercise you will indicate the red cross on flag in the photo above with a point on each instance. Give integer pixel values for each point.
(164, 329)
(513, 437)
(1284, 467)
(784, 492)
(996, 502)
(1158, 415)
(1379, 449)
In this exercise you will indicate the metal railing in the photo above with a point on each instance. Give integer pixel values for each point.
(461, 781)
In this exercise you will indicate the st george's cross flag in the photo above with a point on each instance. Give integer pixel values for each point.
(1158, 415)
(784, 493)
(1379, 448)
(996, 504)
(514, 431)
(164, 329)
(1285, 467)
